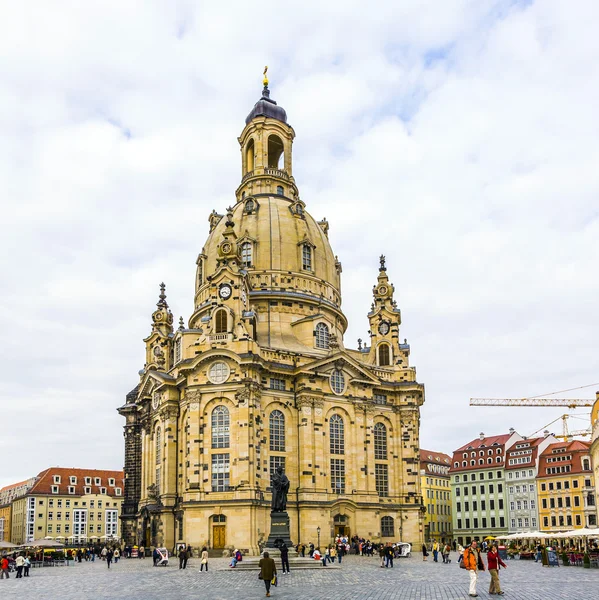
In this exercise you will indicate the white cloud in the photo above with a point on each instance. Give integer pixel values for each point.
(458, 138)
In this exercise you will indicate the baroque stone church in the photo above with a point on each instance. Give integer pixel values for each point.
(260, 377)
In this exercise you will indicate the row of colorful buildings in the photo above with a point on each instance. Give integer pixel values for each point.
(76, 506)
(504, 484)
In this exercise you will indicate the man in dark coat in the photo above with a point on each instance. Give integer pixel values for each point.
(268, 570)
(284, 557)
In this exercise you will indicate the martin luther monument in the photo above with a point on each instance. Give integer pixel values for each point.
(279, 519)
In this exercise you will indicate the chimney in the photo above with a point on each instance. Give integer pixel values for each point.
(481, 435)
(512, 431)
(546, 432)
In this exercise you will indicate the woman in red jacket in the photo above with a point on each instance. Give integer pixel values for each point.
(493, 562)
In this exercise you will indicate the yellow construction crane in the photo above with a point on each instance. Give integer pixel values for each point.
(570, 403)
(566, 433)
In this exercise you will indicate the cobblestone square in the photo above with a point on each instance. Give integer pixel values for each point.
(359, 578)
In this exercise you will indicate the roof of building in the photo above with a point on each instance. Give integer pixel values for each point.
(485, 442)
(430, 456)
(266, 107)
(488, 443)
(574, 449)
(15, 485)
(46, 481)
(525, 444)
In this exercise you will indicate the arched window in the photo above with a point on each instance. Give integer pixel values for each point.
(321, 333)
(249, 206)
(158, 446)
(337, 435)
(246, 254)
(384, 355)
(280, 190)
(200, 271)
(220, 321)
(275, 152)
(277, 431)
(249, 157)
(307, 257)
(387, 528)
(220, 427)
(380, 442)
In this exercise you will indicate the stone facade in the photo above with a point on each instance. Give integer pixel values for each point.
(260, 376)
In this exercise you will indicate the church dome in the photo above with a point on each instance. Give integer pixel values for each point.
(265, 107)
(277, 236)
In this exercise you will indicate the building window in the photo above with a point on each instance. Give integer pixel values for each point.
(381, 474)
(57, 479)
(338, 475)
(306, 257)
(384, 355)
(71, 489)
(73, 480)
(158, 446)
(246, 254)
(321, 333)
(200, 263)
(55, 489)
(380, 442)
(220, 472)
(219, 372)
(275, 462)
(97, 481)
(177, 350)
(277, 431)
(220, 427)
(87, 490)
(382, 399)
(387, 528)
(111, 523)
(117, 491)
(338, 381)
(220, 321)
(250, 206)
(277, 384)
(337, 435)
(280, 191)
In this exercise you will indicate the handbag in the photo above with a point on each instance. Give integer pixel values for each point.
(274, 580)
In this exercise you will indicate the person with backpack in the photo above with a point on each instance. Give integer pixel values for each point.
(473, 563)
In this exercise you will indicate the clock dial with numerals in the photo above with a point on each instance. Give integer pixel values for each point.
(225, 291)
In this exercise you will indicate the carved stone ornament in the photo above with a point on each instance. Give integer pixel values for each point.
(242, 397)
(170, 412)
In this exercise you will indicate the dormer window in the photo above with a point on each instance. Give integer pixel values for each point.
(72, 489)
(246, 254)
(321, 335)
(111, 482)
(55, 489)
(306, 257)
(57, 479)
(102, 490)
(97, 481)
(87, 490)
(73, 480)
(88, 481)
(117, 491)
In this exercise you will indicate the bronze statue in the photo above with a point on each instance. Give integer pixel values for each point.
(280, 487)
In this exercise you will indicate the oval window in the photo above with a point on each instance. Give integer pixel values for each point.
(219, 372)
(338, 381)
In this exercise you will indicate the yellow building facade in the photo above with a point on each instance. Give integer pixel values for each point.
(76, 506)
(594, 450)
(566, 487)
(260, 376)
(436, 495)
(5, 522)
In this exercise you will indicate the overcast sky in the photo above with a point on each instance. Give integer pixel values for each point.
(459, 138)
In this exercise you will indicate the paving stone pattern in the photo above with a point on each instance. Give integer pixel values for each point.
(360, 578)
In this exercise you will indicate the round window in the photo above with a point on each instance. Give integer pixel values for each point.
(338, 381)
(219, 372)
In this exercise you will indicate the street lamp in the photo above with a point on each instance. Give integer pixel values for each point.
(318, 532)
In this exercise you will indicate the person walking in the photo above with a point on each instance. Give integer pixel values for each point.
(340, 552)
(268, 571)
(182, 556)
(435, 551)
(4, 568)
(109, 556)
(141, 553)
(493, 563)
(26, 566)
(204, 560)
(284, 557)
(20, 563)
(116, 555)
(446, 552)
(473, 563)
(461, 553)
(388, 555)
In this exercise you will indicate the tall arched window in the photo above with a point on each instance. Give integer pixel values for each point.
(280, 190)
(384, 355)
(158, 446)
(307, 257)
(275, 152)
(200, 271)
(380, 442)
(220, 427)
(246, 254)
(220, 321)
(321, 333)
(387, 527)
(249, 156)
(277, 431)
(337, 435)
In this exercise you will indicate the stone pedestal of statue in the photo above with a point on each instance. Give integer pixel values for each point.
(279, 531)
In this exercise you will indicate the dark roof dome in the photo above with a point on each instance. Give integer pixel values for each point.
(265, 107)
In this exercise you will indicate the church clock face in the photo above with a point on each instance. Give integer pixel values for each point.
(225, 291)
(384, 328)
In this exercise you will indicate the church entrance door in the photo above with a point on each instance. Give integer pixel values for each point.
(218, 536)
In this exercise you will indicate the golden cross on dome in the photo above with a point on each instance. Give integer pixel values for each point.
(265, 80)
